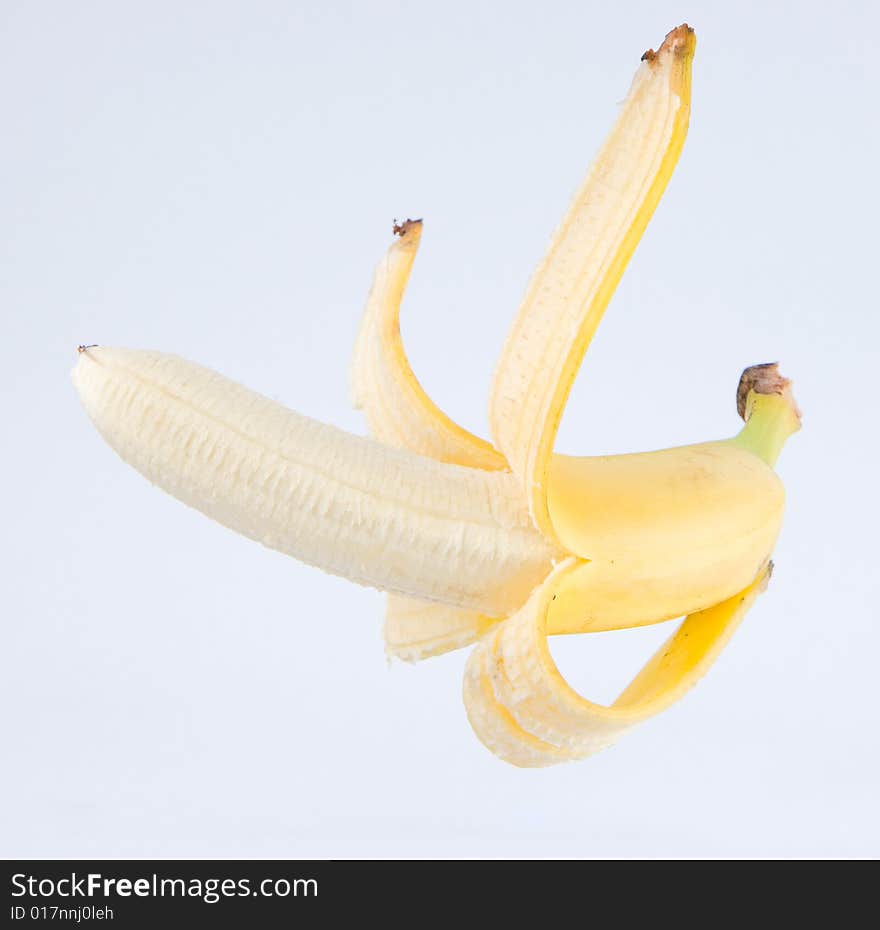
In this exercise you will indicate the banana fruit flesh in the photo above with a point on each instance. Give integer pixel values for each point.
(351, 506)
(499, 543)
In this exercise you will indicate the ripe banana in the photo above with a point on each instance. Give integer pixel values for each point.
(500, 543)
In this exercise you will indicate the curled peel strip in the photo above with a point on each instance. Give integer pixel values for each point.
(524, 711)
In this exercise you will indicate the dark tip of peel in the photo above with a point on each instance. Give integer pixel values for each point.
(401, 229)
(81, 349)
(763, 379)
(680, 39)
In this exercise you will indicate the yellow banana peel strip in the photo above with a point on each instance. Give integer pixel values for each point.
(416, 629)
(522, 709)
(572, 286)
(400, 413)
(383, 385)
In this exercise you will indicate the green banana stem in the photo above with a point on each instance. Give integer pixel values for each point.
(766, 403)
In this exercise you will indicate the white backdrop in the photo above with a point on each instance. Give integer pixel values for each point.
(218, 180)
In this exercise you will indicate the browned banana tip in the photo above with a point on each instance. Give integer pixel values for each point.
(680, 40)
(762, 379)
(401, 229)
(81, 349)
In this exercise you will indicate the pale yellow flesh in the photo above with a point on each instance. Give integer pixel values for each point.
(349, 505)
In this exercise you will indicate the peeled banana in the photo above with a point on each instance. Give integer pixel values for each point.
(504, 543)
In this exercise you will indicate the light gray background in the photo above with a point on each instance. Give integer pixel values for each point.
(218, 180)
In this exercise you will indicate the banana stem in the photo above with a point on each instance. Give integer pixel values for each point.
(766, 403)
